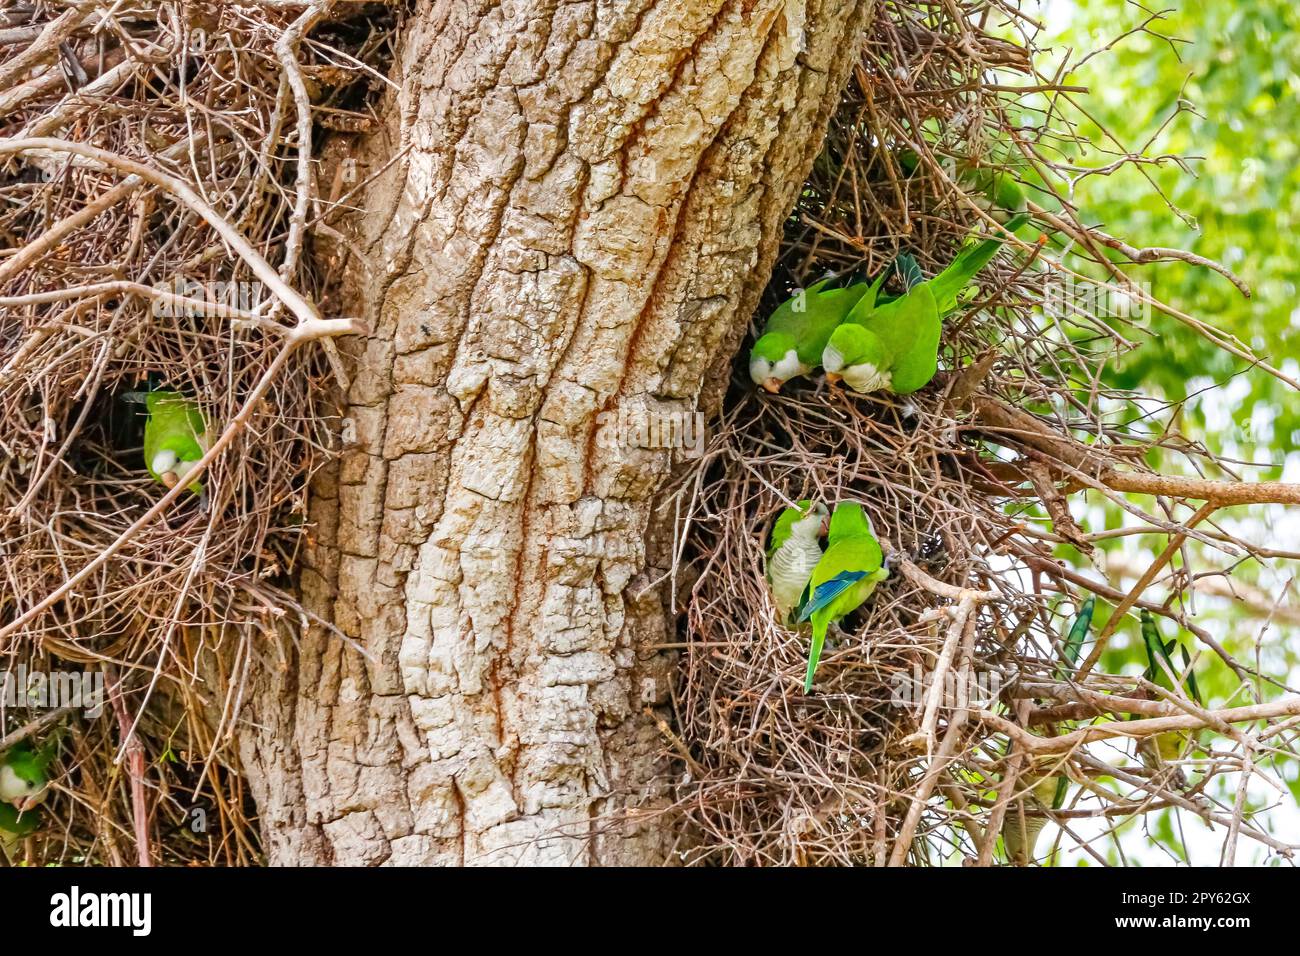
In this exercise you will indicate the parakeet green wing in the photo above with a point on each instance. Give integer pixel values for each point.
(1077, 636)
(828, 591)
(910, 327)
(823, 307)
(19, 824)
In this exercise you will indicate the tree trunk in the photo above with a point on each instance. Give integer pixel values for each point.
(571, 213)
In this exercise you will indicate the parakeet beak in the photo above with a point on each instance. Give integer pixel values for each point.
(833, 378)
(825, 527)
(773, 385)
(169, 478)
(31, 803)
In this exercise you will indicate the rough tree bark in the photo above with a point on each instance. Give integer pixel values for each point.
(576, 208)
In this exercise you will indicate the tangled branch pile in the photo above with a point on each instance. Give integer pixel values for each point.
(160, 164)
(969, 484)
(155, 159)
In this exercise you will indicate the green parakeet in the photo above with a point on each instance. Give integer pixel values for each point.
(895, 345)
(23, 780)
(994, 190)
(793, 551)
(796, 332)
(1162, 749)
(1025, 818)
(844, 577)
(175, 436)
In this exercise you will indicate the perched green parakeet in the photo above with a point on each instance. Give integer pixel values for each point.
(175, 436)
(894, 345)
(993, 189)
(1025, 818)
(23, 779)
(796, 332)
(1159, 751)
(996, 192)
(793, 551)
(844, 577)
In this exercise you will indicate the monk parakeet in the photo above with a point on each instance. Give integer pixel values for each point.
(793, 552)
(895, 345)
(844, 577)
(1025, 818)
(994, 190)
(175, 436)
(23, 780)
(796, 332)
(1162, 749)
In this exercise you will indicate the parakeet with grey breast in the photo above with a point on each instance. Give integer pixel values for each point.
(1025, 818)
(794, 549)
(894, 345)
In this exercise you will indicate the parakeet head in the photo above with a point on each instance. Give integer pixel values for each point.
(858, 356)
(774, 360)
(808, 519)
(816, 518)
(22, 778)
(850, 520)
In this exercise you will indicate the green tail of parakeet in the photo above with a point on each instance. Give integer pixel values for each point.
(844, 578)
(1162, 749)
(1077, 637)
(949, 283)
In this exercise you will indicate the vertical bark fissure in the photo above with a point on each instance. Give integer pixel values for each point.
(587, 211)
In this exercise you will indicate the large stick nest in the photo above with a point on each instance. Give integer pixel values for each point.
(172, 598)
(178, 608)
(967, 483)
